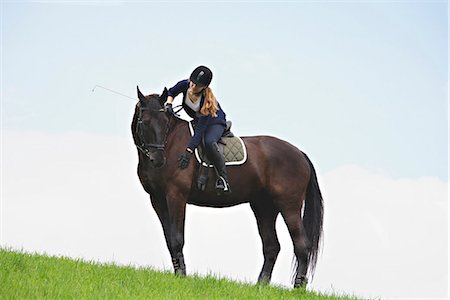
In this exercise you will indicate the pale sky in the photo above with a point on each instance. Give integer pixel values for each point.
(361, 87)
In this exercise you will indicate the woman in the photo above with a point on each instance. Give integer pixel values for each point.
(209, 120)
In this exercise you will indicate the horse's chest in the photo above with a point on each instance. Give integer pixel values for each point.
(149, 180)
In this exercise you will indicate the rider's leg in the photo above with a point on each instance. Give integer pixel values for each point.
(212, 136)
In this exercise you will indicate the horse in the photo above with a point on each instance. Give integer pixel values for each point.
(276, 178)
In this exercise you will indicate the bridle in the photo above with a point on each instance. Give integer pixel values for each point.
(144, 147)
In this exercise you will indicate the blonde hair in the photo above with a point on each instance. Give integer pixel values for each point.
(210, 106)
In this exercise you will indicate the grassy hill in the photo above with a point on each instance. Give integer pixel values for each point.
(30, 276)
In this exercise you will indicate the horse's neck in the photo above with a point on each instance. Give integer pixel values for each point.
(179, 133)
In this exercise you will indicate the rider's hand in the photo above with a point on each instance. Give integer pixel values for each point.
(185, 157)
(169, 108)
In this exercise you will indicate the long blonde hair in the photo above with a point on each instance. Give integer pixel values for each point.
(210, 106)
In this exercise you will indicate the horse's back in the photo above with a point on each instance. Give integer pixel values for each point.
(281, 163)
(273, 148)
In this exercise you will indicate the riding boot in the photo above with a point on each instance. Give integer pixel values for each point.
(222, 185)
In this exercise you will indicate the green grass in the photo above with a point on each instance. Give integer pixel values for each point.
(34, 276)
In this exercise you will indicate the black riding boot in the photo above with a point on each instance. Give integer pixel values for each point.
(222, 185)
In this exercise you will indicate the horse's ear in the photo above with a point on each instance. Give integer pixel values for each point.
(140, 96)
(163, 97)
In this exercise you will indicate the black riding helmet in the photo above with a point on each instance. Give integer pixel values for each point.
(201, 76)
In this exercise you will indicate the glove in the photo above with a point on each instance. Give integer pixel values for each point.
(183, 160)
(169, 108)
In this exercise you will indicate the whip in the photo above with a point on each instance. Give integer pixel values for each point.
(112, 91)
(176, 108)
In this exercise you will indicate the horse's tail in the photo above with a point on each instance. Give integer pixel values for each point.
(313, 218)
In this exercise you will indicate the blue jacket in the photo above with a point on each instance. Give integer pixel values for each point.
(201, 123)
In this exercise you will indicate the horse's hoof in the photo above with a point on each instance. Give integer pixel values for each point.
(180, 272)
(301, 282)
(264, 279)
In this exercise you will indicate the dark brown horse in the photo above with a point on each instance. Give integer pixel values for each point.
(276, 178)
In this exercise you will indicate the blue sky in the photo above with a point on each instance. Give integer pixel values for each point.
(363, 83)
(361, 87)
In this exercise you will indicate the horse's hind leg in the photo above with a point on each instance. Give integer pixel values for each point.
(266, 215)
(294, 223)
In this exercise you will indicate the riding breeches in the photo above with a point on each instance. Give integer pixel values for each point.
(212, 135)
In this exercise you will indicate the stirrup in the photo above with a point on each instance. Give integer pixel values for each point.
(222, 186)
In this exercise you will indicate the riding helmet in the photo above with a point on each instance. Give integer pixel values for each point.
(201, 75)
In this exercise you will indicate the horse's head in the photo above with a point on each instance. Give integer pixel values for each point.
(152, 126)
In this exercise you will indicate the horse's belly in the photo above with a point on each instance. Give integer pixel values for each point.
(212, 200)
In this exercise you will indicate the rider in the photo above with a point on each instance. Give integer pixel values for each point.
(209, 119)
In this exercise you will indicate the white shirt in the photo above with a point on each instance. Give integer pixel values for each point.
(194, 106)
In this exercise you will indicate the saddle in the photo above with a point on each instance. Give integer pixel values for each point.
(230, 146)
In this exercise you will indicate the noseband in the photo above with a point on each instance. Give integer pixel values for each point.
(146, 147)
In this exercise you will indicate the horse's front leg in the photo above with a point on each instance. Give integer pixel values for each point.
(176, 204)
(160, 205)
